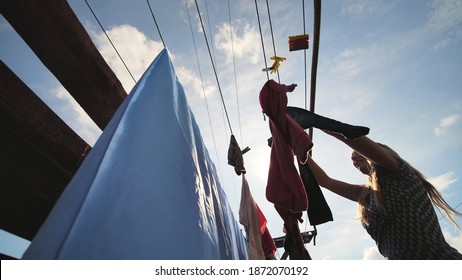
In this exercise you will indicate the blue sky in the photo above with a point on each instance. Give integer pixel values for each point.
(393, 66)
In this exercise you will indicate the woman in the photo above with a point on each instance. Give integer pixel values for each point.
(396, 205)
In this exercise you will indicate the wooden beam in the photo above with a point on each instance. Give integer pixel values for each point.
(39, 156)
(54, 33)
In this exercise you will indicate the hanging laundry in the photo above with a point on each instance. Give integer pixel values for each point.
(148, 188)
(260, 244)
(318, 210)
(298, 42)
(307, 119)
(235, 156)
(293, 242)
(284, 187)
(267, 243)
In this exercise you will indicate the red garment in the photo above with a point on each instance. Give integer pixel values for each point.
(284, 187)
(260, 244)
(267, 242)
(296, 247)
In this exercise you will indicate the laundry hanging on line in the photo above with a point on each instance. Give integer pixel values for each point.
(284, 187)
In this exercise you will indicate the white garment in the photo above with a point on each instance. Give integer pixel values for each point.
(249, 217)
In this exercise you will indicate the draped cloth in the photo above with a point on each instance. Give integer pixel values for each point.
(260, 244)
(148, 188)
(285, 187)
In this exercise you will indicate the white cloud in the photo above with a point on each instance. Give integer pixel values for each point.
(446, 123)
(193, 83)
(445, 14)
(454, 241)
(445, 17)
(74, 116)
(135, 48)
(372, 253)
(246, 41)
(355, 7)
(348, 63)
(443, 181)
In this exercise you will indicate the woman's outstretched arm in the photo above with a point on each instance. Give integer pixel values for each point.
(371, 150)
(349, 191)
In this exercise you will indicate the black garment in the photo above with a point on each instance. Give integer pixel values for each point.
(307, 119)
(318, 209)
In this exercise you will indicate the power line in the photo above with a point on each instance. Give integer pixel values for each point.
(272, 36)
(210, 29)
(110, 41)
(234, 68)
(155, 22)
(213, 65)
(214, 58)
(203, 88)
(261, 38)
(443, 216)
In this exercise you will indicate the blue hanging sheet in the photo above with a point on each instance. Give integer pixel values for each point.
(147, 190)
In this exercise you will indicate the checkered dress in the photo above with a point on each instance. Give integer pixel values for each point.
(409, 228)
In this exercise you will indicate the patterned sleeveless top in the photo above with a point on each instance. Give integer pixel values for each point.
(408, 228)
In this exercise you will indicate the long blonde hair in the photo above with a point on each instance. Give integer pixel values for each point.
(373, 188)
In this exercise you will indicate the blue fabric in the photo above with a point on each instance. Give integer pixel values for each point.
(147, 190)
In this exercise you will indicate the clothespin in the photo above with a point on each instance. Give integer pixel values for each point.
(245, 150)
(276, 63)
(267, 69)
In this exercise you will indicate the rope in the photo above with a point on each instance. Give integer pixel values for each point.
(261, 37)
(203, 88)
(110, 41)
(444, 216)
(210, 30)
(272, 35)
(155, 22)
(213, 65)
(314, 64)
(214, 59)
(234, 68)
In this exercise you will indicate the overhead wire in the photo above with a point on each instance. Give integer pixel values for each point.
(444, 216)
(155, 22)
(261, 38)
(214, 68)
(272, 36)
(214, 58)
(110, 41)
(203, 88)
(210, 29)
(224, 116)
(234, 68)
